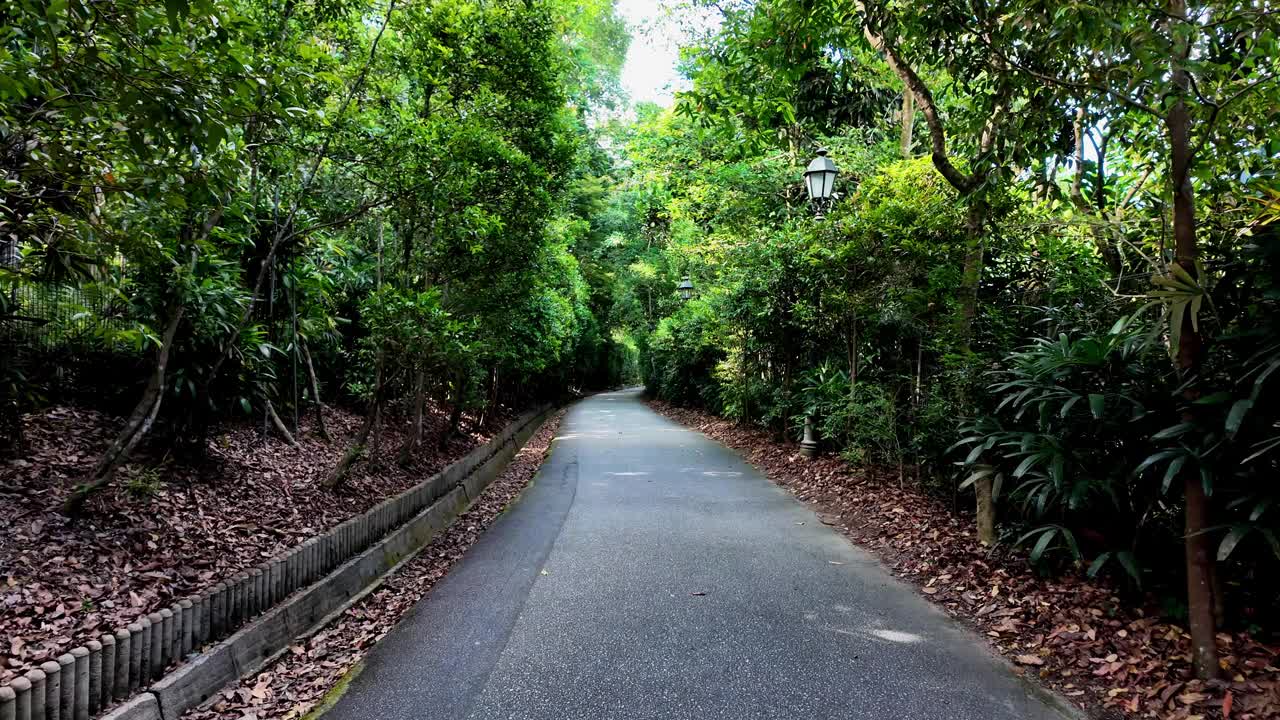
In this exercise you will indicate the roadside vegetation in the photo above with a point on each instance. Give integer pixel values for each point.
(265, 263)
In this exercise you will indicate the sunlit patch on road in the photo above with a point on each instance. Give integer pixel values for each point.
(896, 636)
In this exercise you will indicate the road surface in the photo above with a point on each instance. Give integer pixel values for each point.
(650, 572)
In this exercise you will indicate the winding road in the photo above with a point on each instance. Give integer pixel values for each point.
(650, 572)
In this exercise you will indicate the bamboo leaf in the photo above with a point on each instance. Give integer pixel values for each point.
(1130, 564)
(975, 477)
(1097, 404)
(1238, 412)
(1174, 468)
(1043, 544)
(1098, 564)
(1229, 542)
(1155, 458)
(1173, 431)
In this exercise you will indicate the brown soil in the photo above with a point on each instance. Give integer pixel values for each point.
(165, 529)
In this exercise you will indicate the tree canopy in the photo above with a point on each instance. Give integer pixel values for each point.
(1047, 280)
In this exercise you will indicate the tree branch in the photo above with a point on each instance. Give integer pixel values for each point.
(924, 98)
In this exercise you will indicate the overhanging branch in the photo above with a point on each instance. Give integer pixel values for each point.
(963, 183)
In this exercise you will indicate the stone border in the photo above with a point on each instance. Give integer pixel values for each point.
(331, 570)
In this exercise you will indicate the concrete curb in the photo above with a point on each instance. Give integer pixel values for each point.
(292, 595)
(306, 612)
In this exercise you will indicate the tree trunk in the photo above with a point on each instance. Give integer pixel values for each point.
(1102, 236)
(1201, 602)
(1050, 182)
(853, 351)
(361, 441)
(269, 412)
(455, 419)
(908, 118)
(974, 221)
(919, 370)
(971, 276)
(138, 425)
(986, 512)
(419, 409)
(279, 425)
(782, 428)
(490, 397)
(1199, 553)
(378, 418)
(315, 394)
(455, 414)
(357, 448)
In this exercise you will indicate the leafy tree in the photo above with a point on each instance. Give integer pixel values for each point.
(1186, 66)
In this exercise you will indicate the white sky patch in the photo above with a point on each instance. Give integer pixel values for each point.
(657, 32)
(649, 74)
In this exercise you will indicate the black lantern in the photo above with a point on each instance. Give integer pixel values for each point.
(685, 288)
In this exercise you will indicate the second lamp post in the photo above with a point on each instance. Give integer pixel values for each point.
(820, 183)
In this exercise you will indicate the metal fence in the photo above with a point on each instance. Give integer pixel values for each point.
(48, 317)
(40, 316)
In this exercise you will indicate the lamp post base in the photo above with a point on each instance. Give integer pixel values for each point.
(809, 445)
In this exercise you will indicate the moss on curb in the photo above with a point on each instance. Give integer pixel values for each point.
(335, 693)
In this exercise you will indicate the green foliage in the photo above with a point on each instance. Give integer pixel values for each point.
(683, 352)
(977, 294)
(144, 483)
(377, 188)
(1059, 445)
(310, 185)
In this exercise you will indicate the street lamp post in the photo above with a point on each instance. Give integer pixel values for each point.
(820, 182)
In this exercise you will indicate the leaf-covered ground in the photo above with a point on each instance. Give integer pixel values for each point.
(1074, 634)
(295, 684)
(166, 530)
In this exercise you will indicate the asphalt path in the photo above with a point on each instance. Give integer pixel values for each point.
(650, 572)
